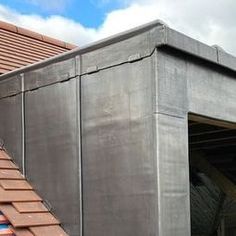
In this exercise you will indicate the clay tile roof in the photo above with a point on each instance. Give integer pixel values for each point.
(20, 47)
(22, 212)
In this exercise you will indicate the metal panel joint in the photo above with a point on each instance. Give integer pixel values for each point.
(92, 69)
(135, 57)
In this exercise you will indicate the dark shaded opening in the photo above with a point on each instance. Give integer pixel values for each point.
(212, 147)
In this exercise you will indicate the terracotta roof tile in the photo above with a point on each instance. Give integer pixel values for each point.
(29, 33)
(18, 196)
(2, 71)
(7, 164)
(48, 231)
(21, 206)
(4, 156)
(3, 219)
(7, 37)
(5, 230)
(18, 219)
(30, 207)
(20, 47)
(21, 232)
(8, 184)
(7, 26)
(10, 174)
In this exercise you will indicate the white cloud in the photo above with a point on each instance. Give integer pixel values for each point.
(54, 26)
(124, 19)
(211, 21)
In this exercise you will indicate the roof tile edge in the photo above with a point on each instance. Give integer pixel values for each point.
(22, 220)
(34, 35)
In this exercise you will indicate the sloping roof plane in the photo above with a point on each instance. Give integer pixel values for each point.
(22, 211)
(20, 47)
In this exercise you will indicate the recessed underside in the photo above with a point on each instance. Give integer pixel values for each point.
(210, 203)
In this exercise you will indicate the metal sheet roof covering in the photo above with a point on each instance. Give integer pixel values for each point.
(20, 47)
(159, 36)
(21, 206)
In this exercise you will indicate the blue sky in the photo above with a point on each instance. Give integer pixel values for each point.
(84, 21)
(90, 13)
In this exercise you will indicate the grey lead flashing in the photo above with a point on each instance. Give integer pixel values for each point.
(22, 79)
(194, 47)
(51, 74)
(10, 86)
(227, 60)
(191, 46)
(90, 47)
(35, 79)
(159, 35)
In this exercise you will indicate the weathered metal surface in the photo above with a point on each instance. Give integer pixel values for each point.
(173, 176)
(10, 126)
(128, 50)
(171, 109)
(184, 43)
(171, 85)
(160, 35)
(189, 86)
(119, 173)
(226, 59)
(135, 99)
(52, 163)
(11, 86)
(211, 92)
(50, 74)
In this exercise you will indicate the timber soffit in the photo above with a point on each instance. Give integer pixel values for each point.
(162, 36)
(21, 209)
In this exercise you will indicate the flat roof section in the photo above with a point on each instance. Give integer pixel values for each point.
(160, 35)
